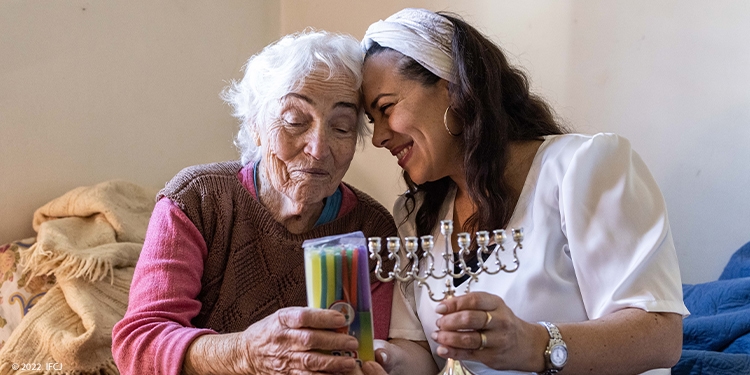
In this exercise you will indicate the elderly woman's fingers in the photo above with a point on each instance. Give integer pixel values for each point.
(310, 339)
(301, 317)
(303, 329)
(291, 340)
(308, 362)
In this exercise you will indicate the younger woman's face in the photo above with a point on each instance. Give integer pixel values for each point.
(408, 119)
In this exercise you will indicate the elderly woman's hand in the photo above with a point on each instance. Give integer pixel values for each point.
(288, 339)
(285, 342)
(509, 342)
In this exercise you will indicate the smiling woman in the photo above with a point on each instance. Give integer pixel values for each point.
(408, 103)
(599, 290)
(220, 282)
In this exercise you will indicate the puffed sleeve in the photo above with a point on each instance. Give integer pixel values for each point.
(405, 323)
(619, 238)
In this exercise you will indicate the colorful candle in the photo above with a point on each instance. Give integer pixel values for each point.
(339, 272)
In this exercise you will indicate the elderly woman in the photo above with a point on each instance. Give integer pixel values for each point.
(598, 288)
(220, 282)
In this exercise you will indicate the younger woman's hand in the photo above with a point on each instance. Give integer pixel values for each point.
(368, 368)
(480, 327)
(405, 357)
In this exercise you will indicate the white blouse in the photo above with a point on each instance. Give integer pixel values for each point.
(596, 240)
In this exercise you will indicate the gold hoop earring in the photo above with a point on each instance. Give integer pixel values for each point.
(445, 122)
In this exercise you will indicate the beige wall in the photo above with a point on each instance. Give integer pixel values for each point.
(96, 90)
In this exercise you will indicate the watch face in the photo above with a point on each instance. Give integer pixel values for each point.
(558, 355)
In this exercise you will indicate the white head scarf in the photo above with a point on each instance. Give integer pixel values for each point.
(423, 35)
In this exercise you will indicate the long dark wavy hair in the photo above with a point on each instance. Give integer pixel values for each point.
(491, 99)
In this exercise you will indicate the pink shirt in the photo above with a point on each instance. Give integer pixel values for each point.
(154, 334)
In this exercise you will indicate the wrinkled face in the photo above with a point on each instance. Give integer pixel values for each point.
(308, 146)
(408, 119)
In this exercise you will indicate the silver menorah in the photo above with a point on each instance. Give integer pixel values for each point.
(452, 268)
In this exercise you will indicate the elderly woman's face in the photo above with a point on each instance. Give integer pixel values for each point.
(308, 147)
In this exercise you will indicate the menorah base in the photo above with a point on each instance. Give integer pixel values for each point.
(454, 367)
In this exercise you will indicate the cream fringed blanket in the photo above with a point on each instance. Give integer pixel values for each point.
(90, 239)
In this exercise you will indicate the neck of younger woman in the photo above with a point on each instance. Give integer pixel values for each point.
(520, 158)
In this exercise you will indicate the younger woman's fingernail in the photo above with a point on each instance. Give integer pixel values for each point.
(383, 357)
(434, 335)
(441, 350)
(441, 309)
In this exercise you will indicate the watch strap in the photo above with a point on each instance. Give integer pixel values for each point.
(555, 339)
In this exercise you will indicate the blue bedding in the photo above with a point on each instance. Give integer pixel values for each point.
(716, 336)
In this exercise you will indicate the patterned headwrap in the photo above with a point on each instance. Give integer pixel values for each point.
(423, 35)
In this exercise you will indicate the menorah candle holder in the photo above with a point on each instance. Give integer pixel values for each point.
(454, 264)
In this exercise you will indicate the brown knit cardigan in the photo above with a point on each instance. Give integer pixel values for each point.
(254, 265)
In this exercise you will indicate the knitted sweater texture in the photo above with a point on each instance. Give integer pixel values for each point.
(255, 266)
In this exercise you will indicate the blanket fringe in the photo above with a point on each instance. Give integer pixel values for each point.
(63, 265)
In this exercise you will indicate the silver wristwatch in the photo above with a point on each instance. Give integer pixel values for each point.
(556, 354)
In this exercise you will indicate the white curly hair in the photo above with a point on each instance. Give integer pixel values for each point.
(280, 68)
